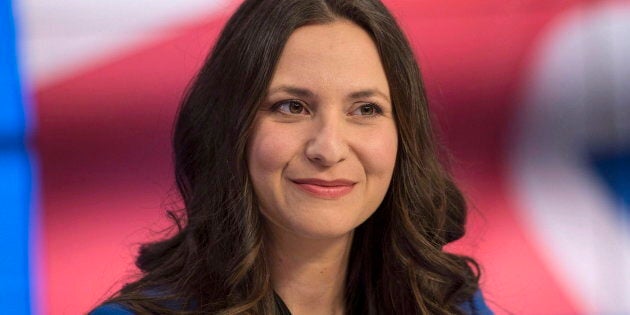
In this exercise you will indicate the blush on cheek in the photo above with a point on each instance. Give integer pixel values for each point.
(270, 149)
(380, 155)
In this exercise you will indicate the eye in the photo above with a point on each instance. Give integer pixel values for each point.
(369, 109)
(291, 107)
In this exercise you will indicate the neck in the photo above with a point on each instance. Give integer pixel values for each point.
(309, 275)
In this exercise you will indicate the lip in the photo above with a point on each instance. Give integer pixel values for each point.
(327, 189)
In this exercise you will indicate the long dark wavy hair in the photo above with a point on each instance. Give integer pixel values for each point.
(216, 262)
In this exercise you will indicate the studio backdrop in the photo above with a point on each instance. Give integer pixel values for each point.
(531, 99)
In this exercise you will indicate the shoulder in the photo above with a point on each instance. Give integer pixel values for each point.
(476, 306)
(111, 309)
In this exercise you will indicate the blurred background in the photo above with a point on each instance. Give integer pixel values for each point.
(532, 99)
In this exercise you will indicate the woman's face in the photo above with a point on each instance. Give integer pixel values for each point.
(324, 143)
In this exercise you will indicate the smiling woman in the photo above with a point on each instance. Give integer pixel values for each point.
(305, 160)
(322, 151)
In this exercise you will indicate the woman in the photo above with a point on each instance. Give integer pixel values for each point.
(305, 160)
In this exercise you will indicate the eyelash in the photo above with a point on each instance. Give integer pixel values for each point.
(378, 110)
(276, 107)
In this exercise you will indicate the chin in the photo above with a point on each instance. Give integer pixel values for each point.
(325, 233)
(323, 230)
(317, 221)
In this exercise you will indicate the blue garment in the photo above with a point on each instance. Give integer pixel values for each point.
(111, 309)
(474, 306)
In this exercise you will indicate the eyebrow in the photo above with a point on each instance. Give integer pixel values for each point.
(368, 93)
(293, 90)
(306, 93)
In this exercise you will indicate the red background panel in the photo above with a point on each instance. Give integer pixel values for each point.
(104, 147)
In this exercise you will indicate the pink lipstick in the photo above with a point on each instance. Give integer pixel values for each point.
(326, 189)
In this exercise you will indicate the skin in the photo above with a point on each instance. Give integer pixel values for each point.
(327, 116)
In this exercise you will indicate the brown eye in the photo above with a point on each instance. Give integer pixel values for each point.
(367, 110)
(291, 107)
(295, 108)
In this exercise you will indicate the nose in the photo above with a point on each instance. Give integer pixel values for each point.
(327, 145)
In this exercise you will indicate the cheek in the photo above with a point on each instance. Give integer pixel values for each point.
(270, 150)
(379, 154)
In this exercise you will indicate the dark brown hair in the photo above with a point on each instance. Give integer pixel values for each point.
(216, 263)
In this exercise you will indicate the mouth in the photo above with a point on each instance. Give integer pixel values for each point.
(326, 189)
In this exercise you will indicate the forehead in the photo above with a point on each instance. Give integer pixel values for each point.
(336, 56)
